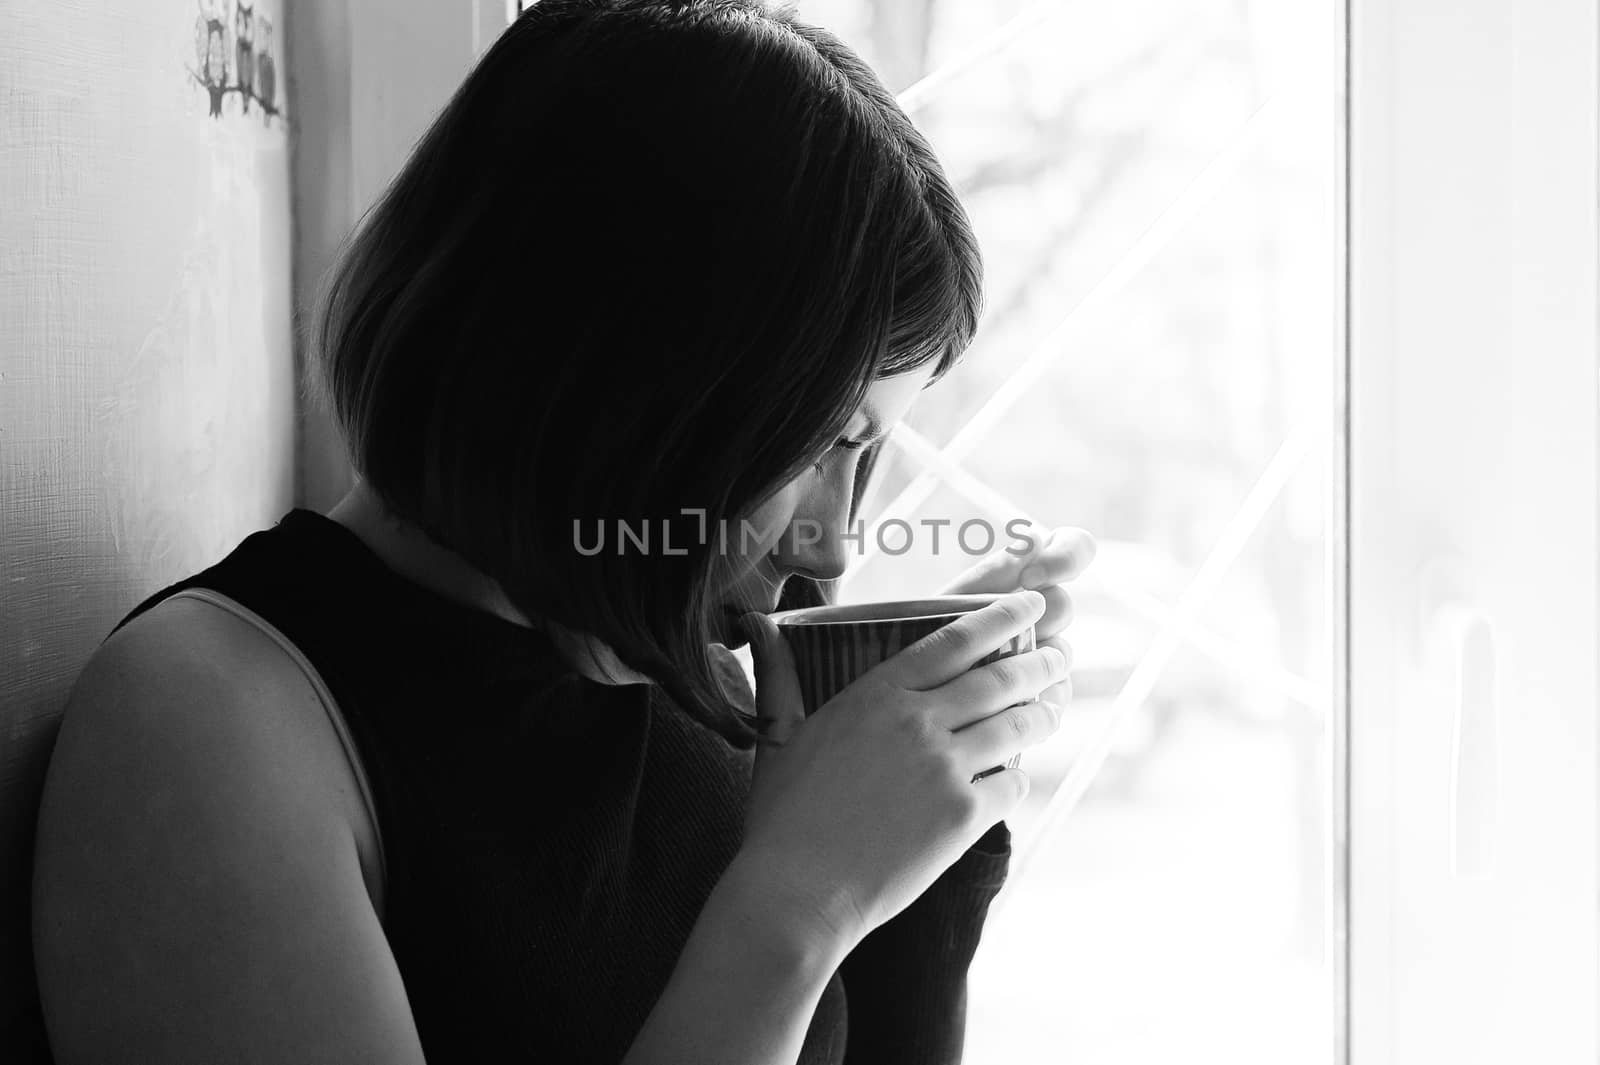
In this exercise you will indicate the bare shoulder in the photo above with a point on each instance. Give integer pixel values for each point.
(203, 671)
(199, 891)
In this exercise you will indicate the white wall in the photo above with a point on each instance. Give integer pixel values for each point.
(146, 368)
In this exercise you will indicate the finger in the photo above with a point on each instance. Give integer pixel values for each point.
(1057, 611)
(999, 794)
(1001, 571)
(1060, 644)
(980, 692)
(1065, 555)
(950, 651)
(735, 682)
(999, 737)
(779, 707)
(1060, 692)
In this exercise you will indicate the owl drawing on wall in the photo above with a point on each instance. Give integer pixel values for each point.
(266, 70)
(244, 50)
(233, 50)
(211, 51)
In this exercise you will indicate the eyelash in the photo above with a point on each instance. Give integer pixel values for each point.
(848, 445)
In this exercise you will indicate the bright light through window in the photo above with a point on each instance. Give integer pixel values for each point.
(1154, 186)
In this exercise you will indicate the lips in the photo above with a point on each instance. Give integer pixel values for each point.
(772, 587)
(735, 611)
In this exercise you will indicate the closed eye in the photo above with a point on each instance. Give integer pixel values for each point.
(845, 444)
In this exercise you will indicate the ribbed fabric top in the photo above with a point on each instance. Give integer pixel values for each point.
(549, 841)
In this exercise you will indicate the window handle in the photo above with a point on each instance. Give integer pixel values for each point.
(1464, 654)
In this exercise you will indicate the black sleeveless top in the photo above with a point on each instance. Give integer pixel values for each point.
(549, 841)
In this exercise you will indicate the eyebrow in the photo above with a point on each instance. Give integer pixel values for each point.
(875, 428)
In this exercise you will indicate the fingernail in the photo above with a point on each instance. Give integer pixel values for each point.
(1032, 574)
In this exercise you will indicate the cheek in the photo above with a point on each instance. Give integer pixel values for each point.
(763, 527)
(746, 542)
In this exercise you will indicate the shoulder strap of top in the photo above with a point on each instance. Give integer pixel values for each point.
(330, 706)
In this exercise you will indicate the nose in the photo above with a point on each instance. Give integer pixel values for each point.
(827, 558)
(817, 540)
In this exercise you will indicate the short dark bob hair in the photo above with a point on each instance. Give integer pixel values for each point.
(648, 259)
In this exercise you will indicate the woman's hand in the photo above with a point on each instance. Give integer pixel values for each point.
(857, 809)
(1054, 557)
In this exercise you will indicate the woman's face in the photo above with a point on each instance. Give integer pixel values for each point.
(798, 529)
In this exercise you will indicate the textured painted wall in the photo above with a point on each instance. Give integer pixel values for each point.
(146, 368)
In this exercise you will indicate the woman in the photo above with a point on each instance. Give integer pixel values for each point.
(428, 777)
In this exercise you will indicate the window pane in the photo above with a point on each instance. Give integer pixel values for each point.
(1154, 187)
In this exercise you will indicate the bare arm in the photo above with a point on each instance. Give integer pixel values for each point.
(199, 893)
(749, 979)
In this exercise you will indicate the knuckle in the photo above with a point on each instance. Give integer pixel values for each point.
(1067, 655)
(1059, 693)
(1005, 675)
(1013, 611)
(916, 729)
(909, 726)
(946, 763)
(927, 733)
(1019, 723)
(946, 640)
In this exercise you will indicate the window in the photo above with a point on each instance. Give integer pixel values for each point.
(1154, 186)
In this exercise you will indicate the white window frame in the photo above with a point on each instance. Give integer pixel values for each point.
(1471, 485)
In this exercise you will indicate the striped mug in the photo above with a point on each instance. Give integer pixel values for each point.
(833, 645)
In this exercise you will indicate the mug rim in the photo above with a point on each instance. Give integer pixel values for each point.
(925, 608)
